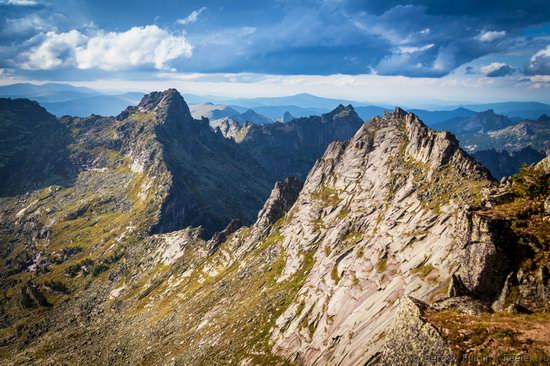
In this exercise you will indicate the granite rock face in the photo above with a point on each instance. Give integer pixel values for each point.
(383, 213)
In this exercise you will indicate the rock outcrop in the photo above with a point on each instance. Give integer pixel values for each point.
(411, 340)
(279, 202)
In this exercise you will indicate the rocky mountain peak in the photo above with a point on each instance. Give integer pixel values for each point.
(377, 210)
(251, 116)
(168, 106)
(435, 149)
(396, 114)
(341, 113)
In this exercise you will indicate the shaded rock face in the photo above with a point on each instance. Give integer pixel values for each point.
(279, 202)
(486, 259)
(34, 148)
(290, 149)
(502, 163)
(213, 180)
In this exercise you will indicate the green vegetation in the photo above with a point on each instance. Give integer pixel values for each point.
(328, 196)
(57, 286)
(353, 237)
(531, 182)
(343, 213)
(334, 274)
(381, 264)
(423, 270)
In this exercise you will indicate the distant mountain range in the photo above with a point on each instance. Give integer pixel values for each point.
(489, 130)
(65, 99)
(525, 110)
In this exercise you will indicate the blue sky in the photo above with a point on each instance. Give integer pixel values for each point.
(381, 51)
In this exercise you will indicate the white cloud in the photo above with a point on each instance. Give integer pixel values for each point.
(191, 18)
(492, 67)
(410, 49)
(28, 23)
(497, 69)
(149, 45)
(21, 2)
(491, 36)
(56, 50)
(539, 63)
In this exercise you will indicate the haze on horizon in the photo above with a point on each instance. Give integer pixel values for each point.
(394, 52)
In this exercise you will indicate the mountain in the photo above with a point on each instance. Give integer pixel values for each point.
(33, 148)
(525, 133)
(216, 112)
(287, 117)
(276, 112)
(252, 117)
(65, 99)
(502, 163)
(431, 118)
(481, 122)
(524, 110)
(228, 127)
(302, 100)
(290, 149)
(45, 93)
(397, 249)
(488, 130)
(212, 111)
(105, 105)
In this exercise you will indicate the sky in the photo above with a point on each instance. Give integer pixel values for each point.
(386, 51)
